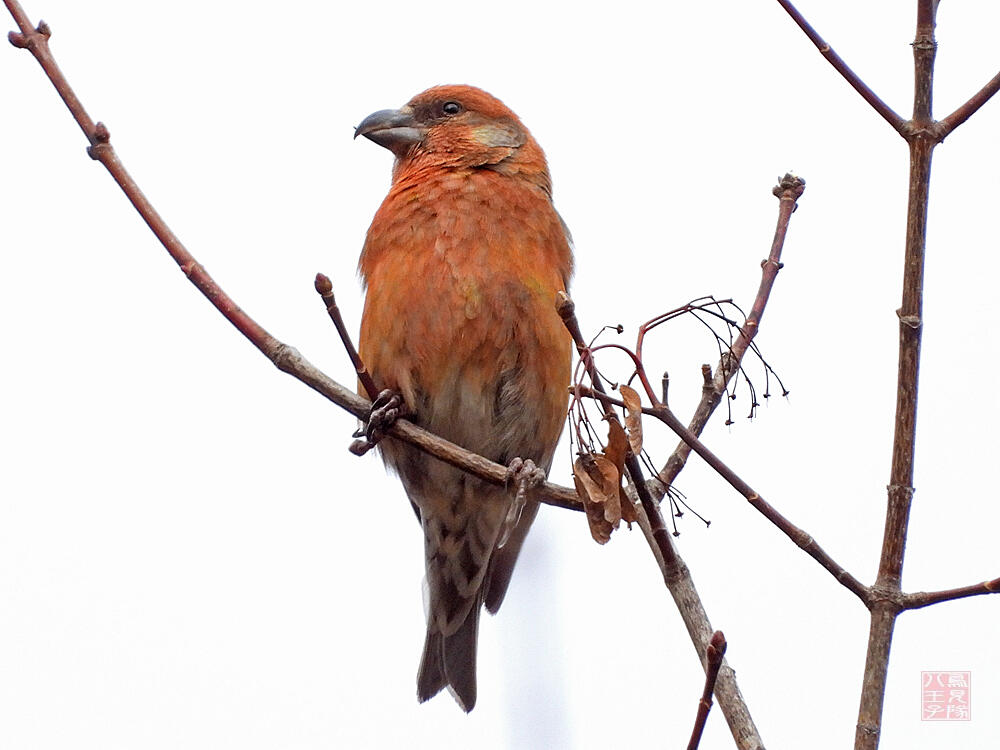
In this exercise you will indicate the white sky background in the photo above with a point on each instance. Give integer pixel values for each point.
(189, 557)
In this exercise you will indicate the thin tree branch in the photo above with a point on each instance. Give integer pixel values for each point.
(288, 360)
(324, 287)
(788, 190)
(793, 532)
(285, 358)
(967, 110)
(36, 41)
(682, 590)
(924, 52)
(713, 660)
(887, 602)
(802, 539)
(920, 599)
(841, 67)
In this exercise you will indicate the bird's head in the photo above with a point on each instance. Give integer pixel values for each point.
(456, 127)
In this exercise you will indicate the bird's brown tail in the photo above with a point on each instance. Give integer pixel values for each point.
(450, 661)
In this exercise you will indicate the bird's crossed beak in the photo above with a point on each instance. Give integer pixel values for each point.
(394, 129)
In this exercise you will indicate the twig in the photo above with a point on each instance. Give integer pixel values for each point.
(925, 598)
(289, 360)
(473, 463)
(788, 190)
(793, 532)
(36, 41)
(324, 288)
(841, 67)
(713, 660)
(285, 358)
(968, 109)
(802, 539)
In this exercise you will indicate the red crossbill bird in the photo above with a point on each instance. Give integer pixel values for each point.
(462, 265)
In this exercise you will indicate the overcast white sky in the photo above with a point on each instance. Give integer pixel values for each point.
(189, 557)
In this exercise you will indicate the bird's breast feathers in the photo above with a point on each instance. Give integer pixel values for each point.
(462, 270)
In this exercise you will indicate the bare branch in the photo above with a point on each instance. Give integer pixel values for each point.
(841, 67)
(967, 110)
(793, 532)
(788, 190)
(680, 584)
(713, 660)
(36, 41)
(926, 598)
(887, 606)
(288, 360)
(924, 52)
(324, 287)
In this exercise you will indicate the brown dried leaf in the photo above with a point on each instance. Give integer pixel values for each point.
(633, 417)
(617, 444)
(604, 473)
(615, 452)
(597, 484)
(599, 528)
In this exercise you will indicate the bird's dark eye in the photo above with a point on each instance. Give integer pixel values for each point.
(451, 108)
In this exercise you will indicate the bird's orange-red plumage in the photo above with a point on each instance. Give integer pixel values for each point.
(462, 265)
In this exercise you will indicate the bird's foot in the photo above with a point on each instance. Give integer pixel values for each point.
(525, 476)
(387, 407)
